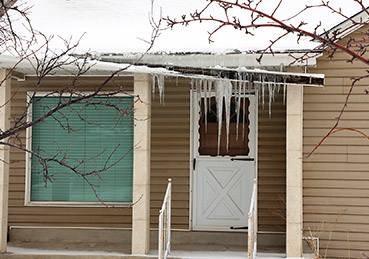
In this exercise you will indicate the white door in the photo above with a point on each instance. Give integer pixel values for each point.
(222, 183)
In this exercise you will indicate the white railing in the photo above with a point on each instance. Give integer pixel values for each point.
(164, 223)
(253, 223)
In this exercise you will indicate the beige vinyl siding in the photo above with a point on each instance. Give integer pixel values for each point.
(170, 151)
(272, 166)
(336, 177)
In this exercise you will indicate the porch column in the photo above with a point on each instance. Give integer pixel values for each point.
(141, 165)
(4, 159)
(294, 171)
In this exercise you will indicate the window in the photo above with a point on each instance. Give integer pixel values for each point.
(103, 139)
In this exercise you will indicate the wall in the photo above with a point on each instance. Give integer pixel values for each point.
(272, 166)
(336, 179)
(170, 151)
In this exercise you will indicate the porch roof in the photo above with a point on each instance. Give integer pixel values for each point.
(28, 68)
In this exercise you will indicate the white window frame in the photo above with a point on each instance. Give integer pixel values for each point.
(27, 196)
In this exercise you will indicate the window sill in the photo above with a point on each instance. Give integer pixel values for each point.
(78, 204)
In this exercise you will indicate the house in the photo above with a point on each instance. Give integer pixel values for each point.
(321, 197)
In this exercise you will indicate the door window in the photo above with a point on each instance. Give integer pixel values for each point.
(208, 134)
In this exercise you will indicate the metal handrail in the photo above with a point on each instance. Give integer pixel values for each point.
(252, 224)
(164, 223)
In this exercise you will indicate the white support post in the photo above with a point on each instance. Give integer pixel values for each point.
(5, 89)
(294, 222)
(141, 165)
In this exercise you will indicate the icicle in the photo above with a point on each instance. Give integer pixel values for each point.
(238, 106)
(219, 93)
(206, 105)
(249, 83)
(275, 92)
(227, 97)
(210, 82)
(153, 76)
(160, 79)
(198, 93)
(270, 95)
(244, 110)
(284, 90)
(198, 88)
(258, 86)
(192, 83)
(262, 92)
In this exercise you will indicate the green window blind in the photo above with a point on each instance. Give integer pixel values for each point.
(93, 141)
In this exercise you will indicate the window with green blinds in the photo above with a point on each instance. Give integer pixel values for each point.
(92, 142)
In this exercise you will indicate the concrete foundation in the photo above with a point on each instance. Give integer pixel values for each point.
(119, 240)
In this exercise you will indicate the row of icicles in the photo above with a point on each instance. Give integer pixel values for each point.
(224, 89)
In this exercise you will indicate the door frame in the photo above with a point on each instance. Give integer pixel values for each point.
(194, 117)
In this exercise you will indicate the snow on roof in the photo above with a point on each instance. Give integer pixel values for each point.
(118, 26)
